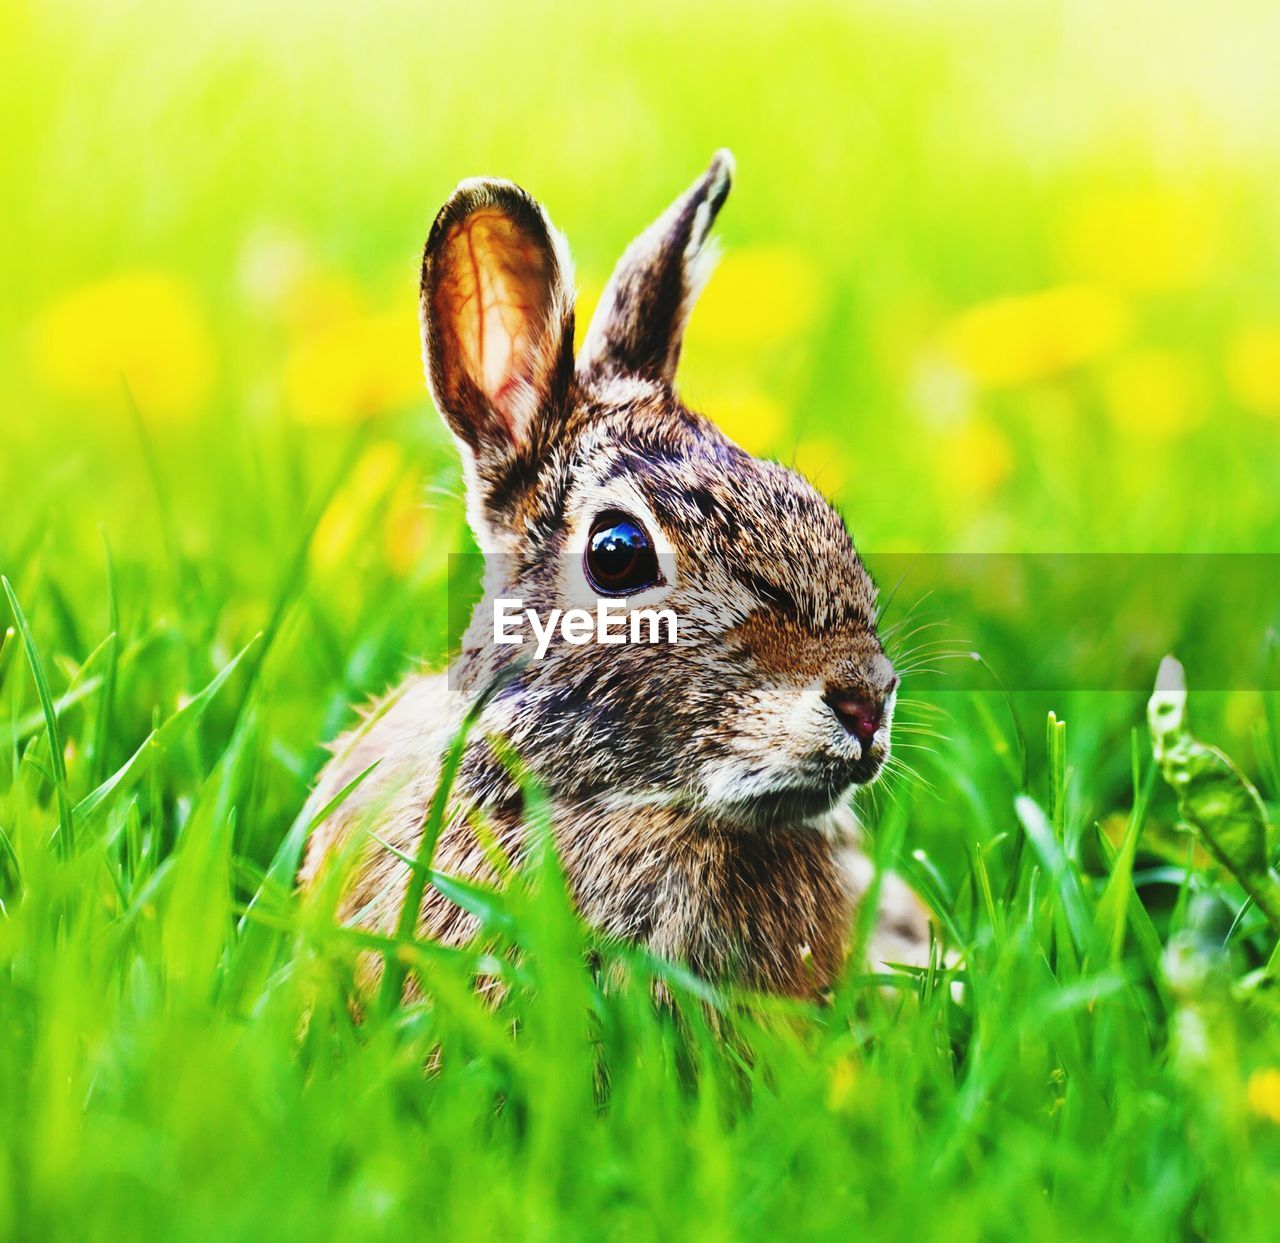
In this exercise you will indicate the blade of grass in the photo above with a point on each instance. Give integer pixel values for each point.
(66, 822)
(157, 742)
(106, 701)
(1114, 904)
(1066, 883)
(253, 948)
(394, 973)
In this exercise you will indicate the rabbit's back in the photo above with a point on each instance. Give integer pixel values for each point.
(399, 740)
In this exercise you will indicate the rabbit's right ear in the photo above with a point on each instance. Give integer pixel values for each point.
(497, 326)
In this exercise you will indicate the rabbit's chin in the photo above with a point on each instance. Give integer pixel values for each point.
(792, 805)
(804, 792)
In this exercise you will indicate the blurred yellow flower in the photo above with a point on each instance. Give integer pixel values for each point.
(1114, 828)
(143, 327)
(755, 297)
(1263, 1094)
(1015, 340)
(972, 459)
(353, 368)
(841, 1083)
(823, 464)
(408, 527)
(1253, 369)
(1144, 239)
(347, 518)
(587, 298)
(1156, 394)
(758, 297)
(747, 417)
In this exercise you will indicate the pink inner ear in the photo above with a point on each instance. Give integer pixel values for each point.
(494, 295)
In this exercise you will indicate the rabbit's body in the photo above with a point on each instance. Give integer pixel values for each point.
(698, 789)
(771, 908)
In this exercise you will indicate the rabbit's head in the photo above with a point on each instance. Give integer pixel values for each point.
(588, 478)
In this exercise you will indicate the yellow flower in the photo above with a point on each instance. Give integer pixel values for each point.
(1155, 394)
(1015, 340)
(841, 1082)
(972, 459)
(144, 328)
(408, 527)
(1253, 369)
(758, 297)
(749, 418)
(1145, 239)
(586, 299)
(1114, 828)
(824, 464)
(353, 368)
(346, 520)
(1263, 1094)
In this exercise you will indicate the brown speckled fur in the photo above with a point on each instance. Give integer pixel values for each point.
(698, 790)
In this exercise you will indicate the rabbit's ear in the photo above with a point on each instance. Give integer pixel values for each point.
(497, 323)
(639, 325)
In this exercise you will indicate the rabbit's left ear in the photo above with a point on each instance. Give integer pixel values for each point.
(497, 324)
(639, 325)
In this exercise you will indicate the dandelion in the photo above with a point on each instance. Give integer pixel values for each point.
(586, 299)
(756, 297)
(841, 1083)
(143, 327)
(759, 297)
(973, 459)
(354, 368)
(346, 521)
(1253, 369)
(1143, 240)
(824, 463)
(1263, 1094)
(408, 527)
(1015, 340)
(748, 417)
(1155, 394)
(1114, 828)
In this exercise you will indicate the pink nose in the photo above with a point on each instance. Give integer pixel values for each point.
(859, 715)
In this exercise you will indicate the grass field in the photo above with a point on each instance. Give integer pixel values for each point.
(1001, 278)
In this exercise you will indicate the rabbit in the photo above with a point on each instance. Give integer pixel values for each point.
(699, 790)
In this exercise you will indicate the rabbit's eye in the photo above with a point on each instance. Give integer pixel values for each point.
(620, 559)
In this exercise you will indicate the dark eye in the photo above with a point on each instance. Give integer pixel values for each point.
(620, 559)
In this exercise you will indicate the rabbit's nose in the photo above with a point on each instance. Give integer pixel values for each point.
(860, 714)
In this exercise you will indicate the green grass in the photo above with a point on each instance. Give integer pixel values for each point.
(203, 575)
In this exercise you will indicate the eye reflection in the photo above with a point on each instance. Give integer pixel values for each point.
(620, 559)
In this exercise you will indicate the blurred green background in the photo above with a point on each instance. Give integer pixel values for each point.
(1001, 277)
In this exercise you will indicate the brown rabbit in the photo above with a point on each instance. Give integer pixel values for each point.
(698, 789)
